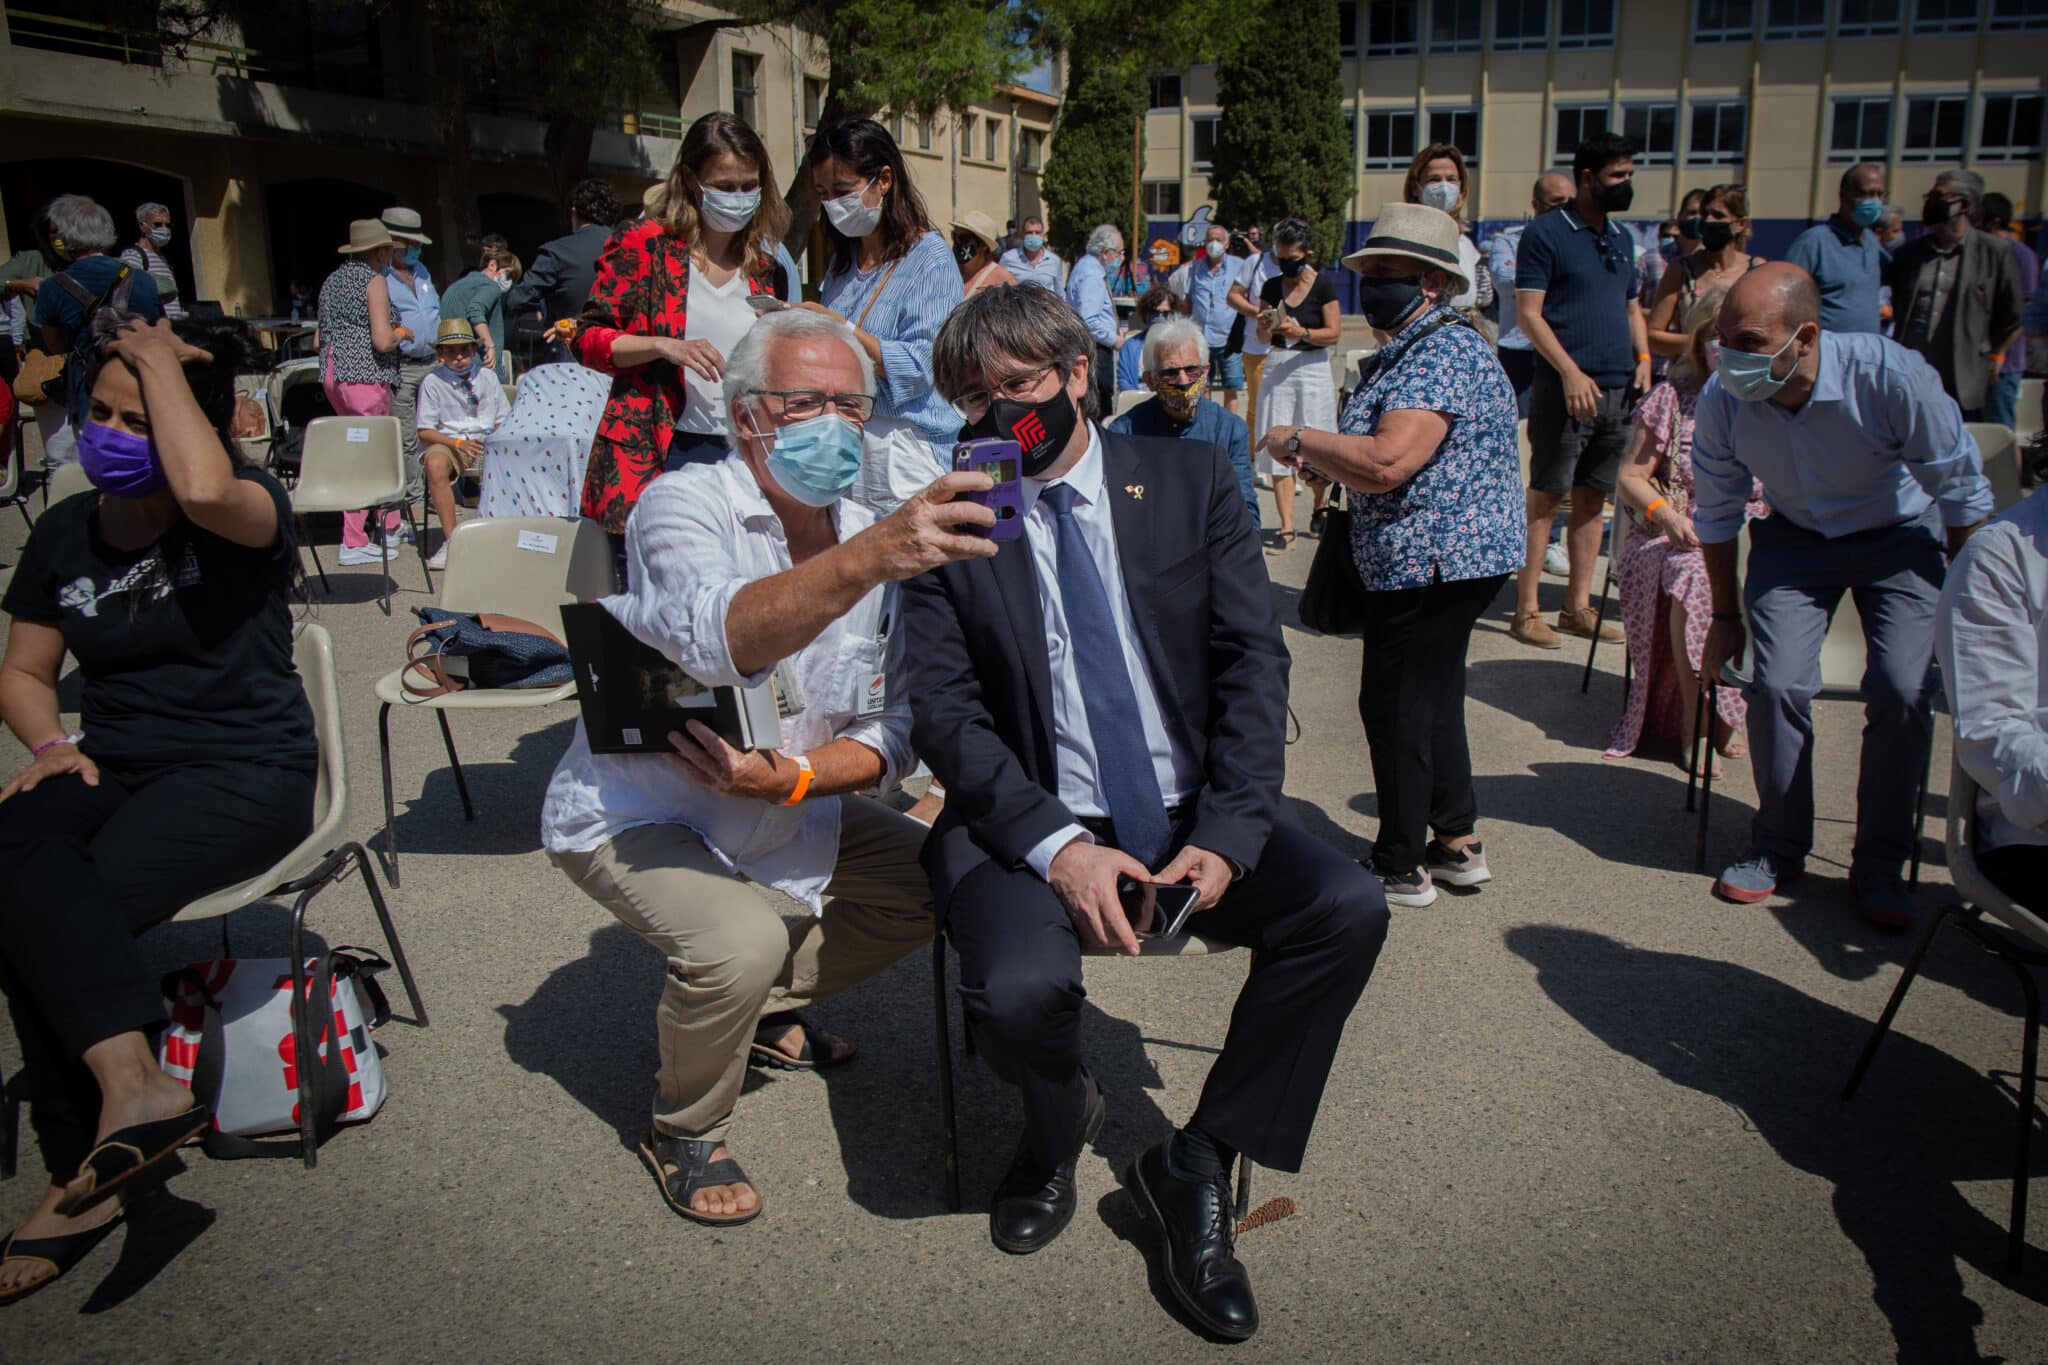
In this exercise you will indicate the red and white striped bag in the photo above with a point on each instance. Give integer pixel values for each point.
(231, 1041)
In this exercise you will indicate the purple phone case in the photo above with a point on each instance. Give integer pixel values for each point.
(1006, 499)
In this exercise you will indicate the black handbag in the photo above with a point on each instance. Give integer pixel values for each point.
(1332, 601)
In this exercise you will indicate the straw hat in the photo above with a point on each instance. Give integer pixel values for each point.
(404, 224)
(980, 225)
(454, 332)
(1418, 233)
(365, 234)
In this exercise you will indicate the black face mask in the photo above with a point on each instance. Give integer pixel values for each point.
(1049, 424)
(1689, 228)
(1616, 198)
(1289, 269)
(1937, 210)
(1715, 234)
(964, 252)
(1388, 299)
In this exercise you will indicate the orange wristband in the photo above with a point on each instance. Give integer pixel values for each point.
(1997, 357)
(1651, 510)
(804, 774)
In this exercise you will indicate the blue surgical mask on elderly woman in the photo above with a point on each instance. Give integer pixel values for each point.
(816, 460)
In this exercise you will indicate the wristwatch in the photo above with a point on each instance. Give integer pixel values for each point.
(1294, 445)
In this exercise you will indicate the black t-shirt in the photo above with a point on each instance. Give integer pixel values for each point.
(185, 646)
(1309, 312)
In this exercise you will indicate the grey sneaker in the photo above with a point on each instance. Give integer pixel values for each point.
(1408, 890)
(1556, 562)
(1756, 877)
(1456, 867)
(1883, 898)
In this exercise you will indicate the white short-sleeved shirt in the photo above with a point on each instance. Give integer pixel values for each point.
(445, 408)
(719, 314)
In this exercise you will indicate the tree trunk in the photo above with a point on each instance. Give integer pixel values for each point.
(801, 195)
(566, 146)
(451, 126)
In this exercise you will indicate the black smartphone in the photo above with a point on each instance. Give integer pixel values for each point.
(1170, 905)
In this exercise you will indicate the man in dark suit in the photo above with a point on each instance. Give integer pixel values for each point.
(1106, 698)
(556, 284)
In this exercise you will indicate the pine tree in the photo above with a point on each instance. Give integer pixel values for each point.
(1282, 149)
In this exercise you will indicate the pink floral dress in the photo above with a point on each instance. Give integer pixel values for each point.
(1653, 575)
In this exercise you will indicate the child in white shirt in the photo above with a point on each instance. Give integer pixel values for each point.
(460, 403)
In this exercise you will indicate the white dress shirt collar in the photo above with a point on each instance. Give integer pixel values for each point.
(1085, 478)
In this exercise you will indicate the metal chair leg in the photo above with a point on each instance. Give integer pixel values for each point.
(461, 783)
(1599, 622)
(412, 990)
(1703, 765)
(2030, 1058)
(1692, 764)
(943, 1041)
(305, 1039)
(390, 811)
(419, 542)
(299, 530)
(1920, 815)
(384, 561)
(1891, 1008)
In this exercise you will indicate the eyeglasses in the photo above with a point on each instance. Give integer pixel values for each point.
(799, 404)
(1180, 374)
(1017, 388)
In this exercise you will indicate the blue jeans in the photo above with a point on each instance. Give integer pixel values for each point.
(2002, 400)
(1226, 369)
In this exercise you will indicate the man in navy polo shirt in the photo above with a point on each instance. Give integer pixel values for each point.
(1575, 300)
(1843, 256)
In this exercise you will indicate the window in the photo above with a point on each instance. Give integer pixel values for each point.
(965, 138)
(1717, 132)
(2011, 128)
(1944, 16)
(1031, 149)
(1654, 130)
(2013, 16)
(924, 135)
(1935, 128)
(814, 101)
(1393, 28)
(1460, 128)
(1519, 25)
(1796, 19)
(1162, 198)
(1457, 26)
(1723, 21)
(746, 103)
(1575, 123)
(1347, 29)
(1585, 23)
(1165, 90)
(1867, 19)
(1202, 140)
(1389, 139)
(995, 140)
(1861, 130)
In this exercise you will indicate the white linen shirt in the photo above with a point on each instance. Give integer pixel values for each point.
(441, 406)
(697, 537)
(1080, 784)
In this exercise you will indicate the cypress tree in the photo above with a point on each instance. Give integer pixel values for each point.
(1088, 175)
(1283, 150)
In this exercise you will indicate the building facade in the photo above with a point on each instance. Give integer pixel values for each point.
(266, 141)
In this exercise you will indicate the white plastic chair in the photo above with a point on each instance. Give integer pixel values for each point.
(1127, 399)
(2027, 418)
(353, 464)
(515, 566)
(2019, 939)
(2000, 449)
(14, 472)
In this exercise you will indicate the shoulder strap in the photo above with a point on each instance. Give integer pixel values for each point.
(884, 284)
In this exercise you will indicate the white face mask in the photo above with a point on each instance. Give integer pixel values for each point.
(1441, 194)
(729, 210)
(852, 215)
(1215, 250)
(504, 282)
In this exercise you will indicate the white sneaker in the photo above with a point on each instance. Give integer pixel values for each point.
(363, 554)
(403, 533)
(1556, 562)
(439, 559)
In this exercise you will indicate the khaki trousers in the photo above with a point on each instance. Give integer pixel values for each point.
(731, 955)
(1253, 366)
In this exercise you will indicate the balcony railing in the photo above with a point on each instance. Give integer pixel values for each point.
(132, 47)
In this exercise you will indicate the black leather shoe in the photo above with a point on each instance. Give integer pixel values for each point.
(1030, 1207)
(1197, 1238)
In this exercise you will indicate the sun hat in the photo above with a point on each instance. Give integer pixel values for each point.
(454, 332)
(404, 224)
(979, 224)
(1414, 232)
(365, 234)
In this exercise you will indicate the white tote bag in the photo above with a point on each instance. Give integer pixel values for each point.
(231, 1041)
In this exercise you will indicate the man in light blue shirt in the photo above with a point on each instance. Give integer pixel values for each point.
(1034, 262)
(1088, 295)
(1861, 454)
(1517, 352)
(419, 312)
(1843, 256)
(1209, 282)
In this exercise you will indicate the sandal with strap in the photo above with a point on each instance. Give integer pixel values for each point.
(58, 1253)
(768, 1032)
(694, 1171)
(128, 1153)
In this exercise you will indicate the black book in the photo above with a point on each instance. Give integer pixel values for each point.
(632, 695)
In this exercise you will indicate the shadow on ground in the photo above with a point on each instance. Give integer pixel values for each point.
(1922, 1122)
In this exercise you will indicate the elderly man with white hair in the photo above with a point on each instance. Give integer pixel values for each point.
(153, 234)
(1088, 295)
(80, 234)
(1176, 369)
(746, 570)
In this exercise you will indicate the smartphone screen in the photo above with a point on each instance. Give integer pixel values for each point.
(1002, 471)
(1170, 905)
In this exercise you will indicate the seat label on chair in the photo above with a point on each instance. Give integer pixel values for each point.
(540, 542)
(358, 436)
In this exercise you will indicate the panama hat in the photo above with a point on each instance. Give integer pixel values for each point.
(404, 224)
(454, 332)
(978, 224)
(1414, 232)
(365, 234)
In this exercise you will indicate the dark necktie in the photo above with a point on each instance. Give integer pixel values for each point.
(1123, 759)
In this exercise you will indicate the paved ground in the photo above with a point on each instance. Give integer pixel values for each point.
(1586, 1114)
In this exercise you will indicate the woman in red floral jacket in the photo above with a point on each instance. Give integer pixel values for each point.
(635, 324)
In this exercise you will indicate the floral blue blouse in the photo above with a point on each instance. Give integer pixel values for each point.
(1463, 515)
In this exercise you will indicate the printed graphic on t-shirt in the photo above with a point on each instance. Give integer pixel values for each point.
(146, 578)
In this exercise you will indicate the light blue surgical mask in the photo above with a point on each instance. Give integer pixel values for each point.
(816, 460)
(1032, 241)
(729, 210)
(1752, 377)
(1867, 212)
(412, 255)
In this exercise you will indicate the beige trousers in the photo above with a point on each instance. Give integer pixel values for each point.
(733, 957)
